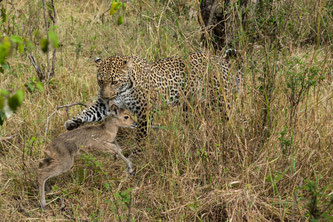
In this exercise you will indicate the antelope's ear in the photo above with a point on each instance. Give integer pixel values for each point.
(97, 60)
(114, 110)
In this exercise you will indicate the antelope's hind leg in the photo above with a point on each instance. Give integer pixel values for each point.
(50, 168)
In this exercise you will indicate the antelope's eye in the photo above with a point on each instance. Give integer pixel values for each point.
(126, 117)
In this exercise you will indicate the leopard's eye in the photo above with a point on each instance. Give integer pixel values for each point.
(126, 117)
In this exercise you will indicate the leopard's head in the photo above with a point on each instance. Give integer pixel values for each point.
(113, 74)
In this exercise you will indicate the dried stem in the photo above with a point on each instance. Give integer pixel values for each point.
(40, 73)
(5, 138)
(46, 30)
(129, 206)
(60, 107)
(102, 15)
(49, 71)
(53, 18)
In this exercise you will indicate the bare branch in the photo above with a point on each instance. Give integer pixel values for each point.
(102, 15)
(53, 18)
(51, 74)
(49, 71)
(40, 74)
(47, 30)
(60, 107)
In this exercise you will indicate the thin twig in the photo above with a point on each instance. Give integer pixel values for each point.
(102, 15)
(40, 74)
(49, 71)
(129, 206)
(53, 18)
(51, 74)
(5, 138)
(47, 31)
(60, 107)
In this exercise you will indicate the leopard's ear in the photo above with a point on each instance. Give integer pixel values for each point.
(128, 64)
(97, 60)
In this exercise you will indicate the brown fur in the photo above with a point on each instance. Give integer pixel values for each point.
(61, 152)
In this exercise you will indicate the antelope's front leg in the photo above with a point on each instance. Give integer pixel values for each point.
(116, 148)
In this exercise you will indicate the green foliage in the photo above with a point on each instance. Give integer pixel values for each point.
(5, 46)
(9, 104)
(34, 85)
(2, 102)
(202, 153)
(300, 77)
(18, 40)
(122, 199)
(2, 117)
(115, 7)
(52, 38)
(3, 15)
(29, 145)
(95, 218)
(44, 44)
(274, 178)
(285, 142)
(320, 204)
(16, 100)
(93, 163)
(120, 20)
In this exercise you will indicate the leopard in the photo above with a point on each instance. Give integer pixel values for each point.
(140, 86)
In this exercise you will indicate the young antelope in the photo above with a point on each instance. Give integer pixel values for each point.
(60, 153)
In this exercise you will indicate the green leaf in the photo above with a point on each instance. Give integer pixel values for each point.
(40, 86)
(5, 66)
(16, 100)
(120, 20)
(18, 40)
(4, 92)
(30, 46)
(30, 87)
(2, 102)
(114, 7)
(118, 6)
(4, 49)
(107, 186)
(2, 117)
(3, 14)
(44, 44)
(54, 39)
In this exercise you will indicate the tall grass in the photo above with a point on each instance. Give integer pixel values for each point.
(271, 161)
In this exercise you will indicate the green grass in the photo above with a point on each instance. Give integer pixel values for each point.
(272, 161)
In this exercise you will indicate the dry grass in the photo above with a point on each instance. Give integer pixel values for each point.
(258, 166)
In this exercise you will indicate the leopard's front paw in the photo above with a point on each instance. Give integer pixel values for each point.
(73, 124)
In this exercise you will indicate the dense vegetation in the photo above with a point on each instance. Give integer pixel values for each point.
(271, 161)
